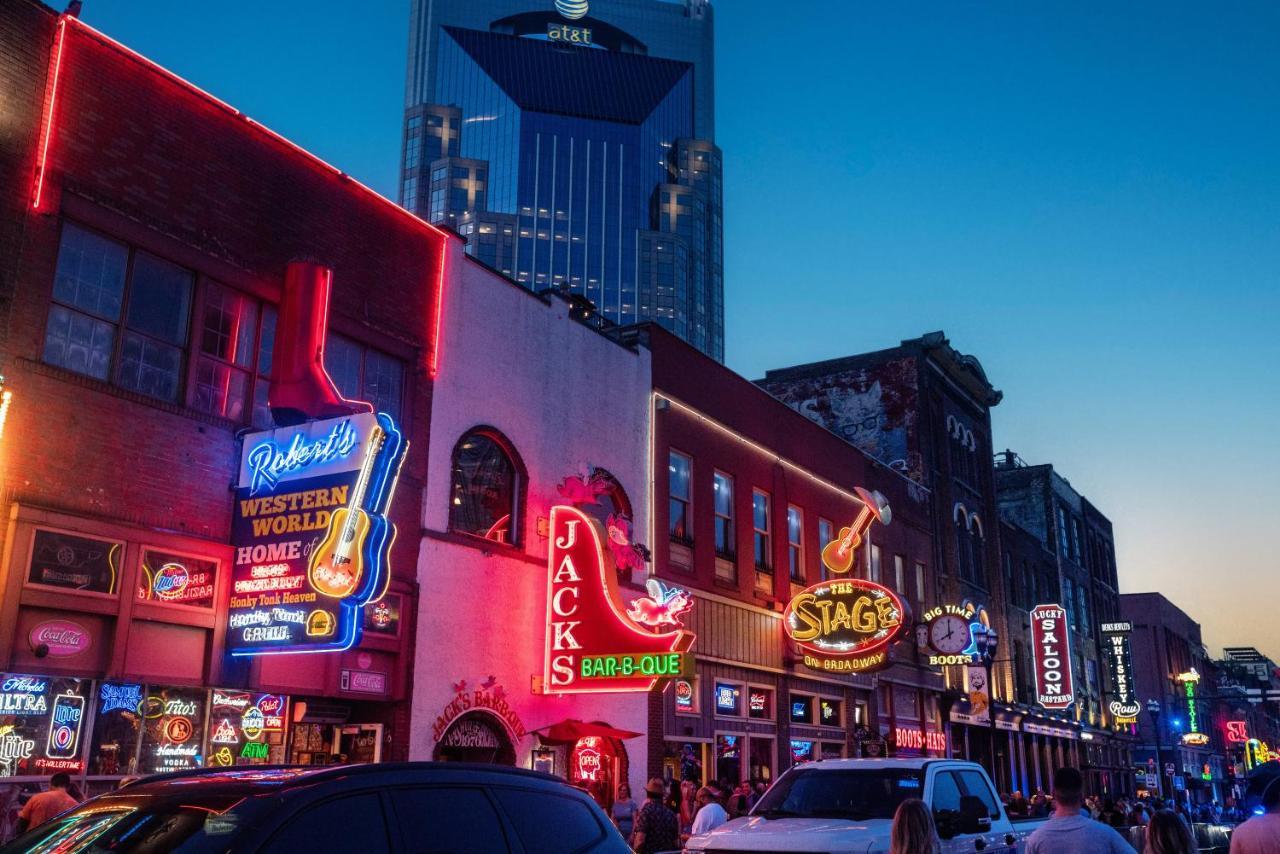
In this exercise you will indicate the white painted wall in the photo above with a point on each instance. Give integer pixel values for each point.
(568, 399)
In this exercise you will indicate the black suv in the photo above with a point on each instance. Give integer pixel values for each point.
(395, 808)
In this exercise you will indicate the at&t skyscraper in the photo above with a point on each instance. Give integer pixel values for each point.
(572, 143)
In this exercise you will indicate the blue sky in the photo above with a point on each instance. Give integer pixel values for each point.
(1085, 196)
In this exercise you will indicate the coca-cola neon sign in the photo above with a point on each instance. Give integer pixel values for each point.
(1052, 639)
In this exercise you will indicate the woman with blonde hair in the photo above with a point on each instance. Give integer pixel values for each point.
(1168, 834)
(913, 831)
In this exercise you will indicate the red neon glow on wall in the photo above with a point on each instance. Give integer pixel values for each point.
(46, 129)
(592, 646)
(47, 132)
(300, 386)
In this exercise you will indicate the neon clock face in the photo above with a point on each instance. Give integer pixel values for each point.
(949, 634)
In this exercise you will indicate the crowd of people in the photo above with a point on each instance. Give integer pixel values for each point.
(1073, 824)
(674, 811)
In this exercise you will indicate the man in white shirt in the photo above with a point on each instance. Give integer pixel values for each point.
(710, 814)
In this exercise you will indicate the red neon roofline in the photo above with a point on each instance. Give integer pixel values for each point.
(253, 122)
(433, 354)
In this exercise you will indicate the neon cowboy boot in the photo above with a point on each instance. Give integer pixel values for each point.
(300, 386)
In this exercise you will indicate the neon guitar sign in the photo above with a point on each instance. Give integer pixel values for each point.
(311, 541)
(838, 554)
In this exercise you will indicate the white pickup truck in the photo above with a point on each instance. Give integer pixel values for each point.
(843, 806)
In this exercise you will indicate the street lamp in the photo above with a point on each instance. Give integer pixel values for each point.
(1153, 709)
(986, 641)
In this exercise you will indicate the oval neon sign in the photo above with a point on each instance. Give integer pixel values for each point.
(846, 625)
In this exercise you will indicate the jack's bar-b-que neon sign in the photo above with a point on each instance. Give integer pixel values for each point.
(592, 646)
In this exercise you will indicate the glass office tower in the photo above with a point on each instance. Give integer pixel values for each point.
(573, 156)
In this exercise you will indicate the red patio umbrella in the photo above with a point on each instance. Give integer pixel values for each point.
(570, 730)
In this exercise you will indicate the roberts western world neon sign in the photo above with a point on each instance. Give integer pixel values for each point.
(592, 646)
(310, 533)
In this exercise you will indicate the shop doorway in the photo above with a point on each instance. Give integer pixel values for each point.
(475, 737)
(336, 744)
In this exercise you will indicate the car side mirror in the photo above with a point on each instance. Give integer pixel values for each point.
(974, 817)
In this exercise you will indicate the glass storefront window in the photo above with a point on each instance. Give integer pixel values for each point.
(246, 728)
(176, 579)
(832, 749)
(728, 698)
(173, 729)
(683, 760)
(801, 751)
(43, 724)
(729, 758)
(829, 712)
(117, 728)
(686, 696)
(761, 759)
(801, 709)
(760, 703)
(74, 563)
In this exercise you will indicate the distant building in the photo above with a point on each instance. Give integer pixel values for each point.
(1075, 552)
(575, 152)
(1172, 667)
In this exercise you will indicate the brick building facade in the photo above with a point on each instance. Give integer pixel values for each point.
(144, 238)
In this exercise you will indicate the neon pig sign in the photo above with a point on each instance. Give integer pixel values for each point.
(1054, 686)
(592, 646)
(311, 535)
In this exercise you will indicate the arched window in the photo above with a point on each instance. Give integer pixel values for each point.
(484, 492)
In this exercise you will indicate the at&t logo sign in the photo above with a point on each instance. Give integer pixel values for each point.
(572, 9)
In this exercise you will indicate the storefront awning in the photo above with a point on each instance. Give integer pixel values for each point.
(569, 731)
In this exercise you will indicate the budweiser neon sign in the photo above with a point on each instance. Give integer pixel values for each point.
(1051, 636)
(592, 645)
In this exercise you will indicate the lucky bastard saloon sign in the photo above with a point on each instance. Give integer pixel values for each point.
(310, 533)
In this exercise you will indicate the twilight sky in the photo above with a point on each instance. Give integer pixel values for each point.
(1085, 196)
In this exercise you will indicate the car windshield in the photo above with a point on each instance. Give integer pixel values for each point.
(857, 795)
(141, 825)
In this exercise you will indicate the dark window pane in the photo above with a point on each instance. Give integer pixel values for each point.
(342, 361)
(78, 342)
(333, 827)
(220, 390)
(268, 340)
(228, 325)
(78, 563)
(261, 411)
(90, 272)
(383, 382)
(149, 367)
(177, 579)
(534, 813)
(429, 821)
(159, 298)
(483, 492)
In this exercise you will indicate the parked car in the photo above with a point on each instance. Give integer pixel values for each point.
(394, 808)
(844, 806)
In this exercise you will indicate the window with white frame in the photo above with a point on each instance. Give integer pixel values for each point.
(795, 542)
(726, 547)
(760, 525)
(826, 533)
(680, 490)
(900, 574)
(875, 563)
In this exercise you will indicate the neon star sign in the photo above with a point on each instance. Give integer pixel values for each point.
(592, 645)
